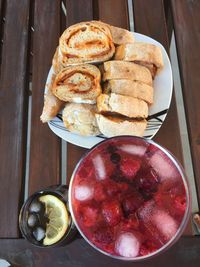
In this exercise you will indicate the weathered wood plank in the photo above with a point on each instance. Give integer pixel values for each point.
(186, 252)
(187, 25)
(13, 119)
(45, 147)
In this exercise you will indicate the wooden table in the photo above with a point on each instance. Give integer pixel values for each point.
(31, 155)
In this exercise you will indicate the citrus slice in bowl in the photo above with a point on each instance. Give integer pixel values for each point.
(58, 219)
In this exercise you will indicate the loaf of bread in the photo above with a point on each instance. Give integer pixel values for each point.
(130, 88)
(79, 84)
(80, 119)
(117, 69)
(114, 126)
(148, 55)
(124, 105)
(85, 42)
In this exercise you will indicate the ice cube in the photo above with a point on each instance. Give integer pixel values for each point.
(136, 150)
(83, 192)
(32, 220)
(39, 233)
(35, 206)
(99, 167)
(165, 224)
(159, 224)
(127, 245)
(163, 166)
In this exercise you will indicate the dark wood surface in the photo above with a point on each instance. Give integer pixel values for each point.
(187, 32)
(45, 147)
(13, 119)
(79, 254)
(25, 57)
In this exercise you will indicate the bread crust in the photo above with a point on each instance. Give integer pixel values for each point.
(130, 88)
(110, 126)
(80, 119)
(117, 69)
(124, 105)
(78, 82)
(140, 52)
(52, 105)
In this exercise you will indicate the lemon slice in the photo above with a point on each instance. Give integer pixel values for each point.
(58, 217)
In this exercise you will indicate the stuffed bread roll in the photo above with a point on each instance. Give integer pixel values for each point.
(85, 42)
(79, 84)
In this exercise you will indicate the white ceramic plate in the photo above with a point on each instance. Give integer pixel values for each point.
(163, 85)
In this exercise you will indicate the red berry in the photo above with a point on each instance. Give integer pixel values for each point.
(103, 235)
(131, 222)
(147, 248)
(112, 212)
(180, 203)
(148, 181)
(89, 215)
(130, 167)
(131, 203)
(99, 193)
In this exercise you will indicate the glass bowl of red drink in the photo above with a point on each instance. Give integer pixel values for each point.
(129, 198)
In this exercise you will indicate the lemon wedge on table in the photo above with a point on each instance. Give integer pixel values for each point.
(57, 214)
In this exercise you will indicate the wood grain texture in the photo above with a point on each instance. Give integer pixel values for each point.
(13, 119)
(186, 252)
(114, 12)
(79, 10)
(186, 16)
(150, 20)
(45, 147)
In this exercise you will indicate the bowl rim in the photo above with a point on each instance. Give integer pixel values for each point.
(187, 190)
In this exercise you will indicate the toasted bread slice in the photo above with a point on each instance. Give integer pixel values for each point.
(86, 42)
(124, 105)
(130, 88)
(113, 126)
(121, 36)
(52, 105)
(80, 119)
(78, 84)
(148, 55)
(119, 70)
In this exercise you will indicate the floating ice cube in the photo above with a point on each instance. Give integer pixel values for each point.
(35, 206)
(39, 233)
(127, 245)
(158, 222)
(32, 220)
(99, 167)
(165, 224)
(136, 150)
(163, 166)
(83, 192)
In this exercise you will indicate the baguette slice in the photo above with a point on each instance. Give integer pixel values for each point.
(80, 119)
(121, 36)
(52, 105)
(78, 84)
(124, 105)
(113, 126)
(89, 41)
(130, 88)
(148, 55)
(126, 70)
